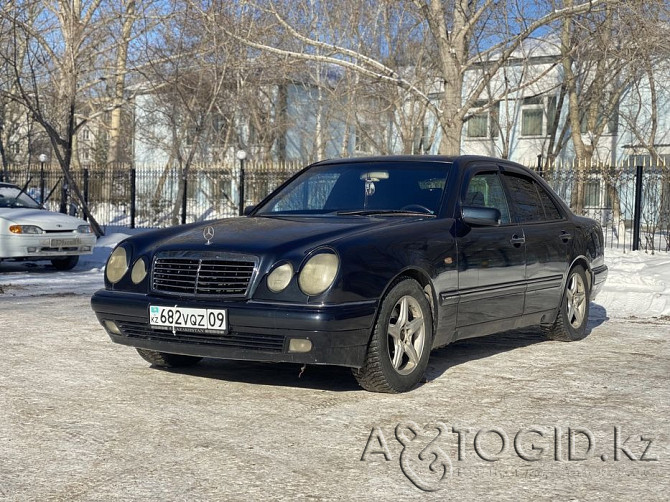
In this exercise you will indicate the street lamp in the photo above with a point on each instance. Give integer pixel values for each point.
(43, 159)
(241, 156)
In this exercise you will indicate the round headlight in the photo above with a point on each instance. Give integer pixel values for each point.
(117, 265)
(280, 277)
(318, 273)
(139, 271)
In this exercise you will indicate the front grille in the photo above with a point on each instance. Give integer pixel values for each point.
(255, 342)
(183, 274)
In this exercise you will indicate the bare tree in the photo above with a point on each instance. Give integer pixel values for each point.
(128, 17)
(191, 76)
(459, 31)
(603, 57)
(61, 55)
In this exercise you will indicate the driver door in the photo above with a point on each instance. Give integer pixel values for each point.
(491, 259)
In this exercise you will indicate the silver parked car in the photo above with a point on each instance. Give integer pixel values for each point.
(30, 232)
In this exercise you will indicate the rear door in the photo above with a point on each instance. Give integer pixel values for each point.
(549, 237)
(491, 259)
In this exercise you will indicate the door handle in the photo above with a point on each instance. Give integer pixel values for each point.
(516, 241)
(565, 237)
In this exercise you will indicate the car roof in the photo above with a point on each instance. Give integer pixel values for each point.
(389, 158)
(452, 159)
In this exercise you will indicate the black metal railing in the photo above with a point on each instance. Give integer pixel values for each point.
(155, 196)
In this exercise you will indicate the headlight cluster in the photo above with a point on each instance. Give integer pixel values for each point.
(118, 264)
(316, 275)
(34, 229)
(25, 229)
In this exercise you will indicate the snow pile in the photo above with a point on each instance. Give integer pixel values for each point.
(638, 284)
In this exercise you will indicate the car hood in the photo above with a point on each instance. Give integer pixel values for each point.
(46, 220)
(257, 235)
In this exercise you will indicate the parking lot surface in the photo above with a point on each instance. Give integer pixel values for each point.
(507, 417)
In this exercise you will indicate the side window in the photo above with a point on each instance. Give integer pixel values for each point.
(526, 199)
(551, 211)
(486, 190)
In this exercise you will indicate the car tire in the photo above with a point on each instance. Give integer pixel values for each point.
(165, 360)
(401, 341)
(66, 263)
(573, 314)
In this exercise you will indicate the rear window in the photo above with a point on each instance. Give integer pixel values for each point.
(526, 199)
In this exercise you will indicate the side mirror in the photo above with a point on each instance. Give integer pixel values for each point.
(247, 210)
(481, 216)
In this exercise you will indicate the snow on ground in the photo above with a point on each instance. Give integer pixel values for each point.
(638, 284)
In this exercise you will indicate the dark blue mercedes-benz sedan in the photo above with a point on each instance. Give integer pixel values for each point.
(368, 263)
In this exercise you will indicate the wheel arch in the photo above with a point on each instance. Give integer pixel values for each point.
(586, 265)
(582, 261)
(423, 279)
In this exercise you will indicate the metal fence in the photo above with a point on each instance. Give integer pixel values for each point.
(153, 196)
(631, 203)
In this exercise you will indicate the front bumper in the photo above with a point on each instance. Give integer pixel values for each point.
(257, 331)
(45, 246)
(599, 278)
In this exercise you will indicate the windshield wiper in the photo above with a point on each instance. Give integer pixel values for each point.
(391, 212)
(23, 190)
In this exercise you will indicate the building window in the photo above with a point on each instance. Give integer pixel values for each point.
(85, 134)
(537, 115)
(485, 123)
(85, 154)
(531, 116)
(478, 124)
(592, 194)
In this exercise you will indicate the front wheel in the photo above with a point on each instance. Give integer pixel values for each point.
(401, 341)
(165, 360)
(573, 314)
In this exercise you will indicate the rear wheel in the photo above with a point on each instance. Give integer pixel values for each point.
(401, 341)
(573, 314)
(165, 360)
(66, 263)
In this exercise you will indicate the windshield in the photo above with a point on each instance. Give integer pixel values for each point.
(363, 188)
(9, 197)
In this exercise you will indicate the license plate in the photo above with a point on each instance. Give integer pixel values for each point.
(59, 243)
(188, 319)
